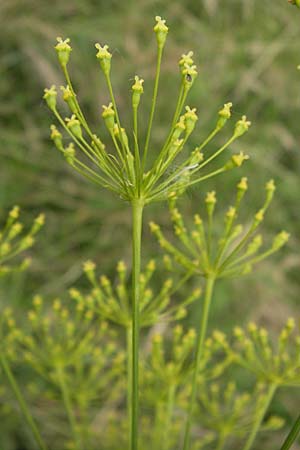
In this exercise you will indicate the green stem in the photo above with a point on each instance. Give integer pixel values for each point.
(260, 416)
(111, 93)
(199, 351)
(22, 403)
(169, 413)
(221, 441)
(69, 408)
(137, 214)
(136, 149)
(153, 104)
(292, 435)
(129, 378)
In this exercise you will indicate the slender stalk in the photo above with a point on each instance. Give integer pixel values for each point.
(136, 147)
(111, 93)
(153, 104)
(129, 379)
(260, 416)
(292, 436)
(22, 403)
(158, 424)
(69, 409)
(169, 413)
(137, 214)
(221, 441)
(199, 350)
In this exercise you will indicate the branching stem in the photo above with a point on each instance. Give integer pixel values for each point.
(199, 351)
(260, 416)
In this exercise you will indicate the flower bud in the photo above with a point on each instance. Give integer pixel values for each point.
(280, 240)
(230, 216)
(121, 267)
(210, 201)
(259, 217)
(161, 31)
(15, 229)
(69, 153)
(242, 187)
(224, 115)
(14, 212)
(241, 126)
(39, 221)
(50, 97)
(104, 57)
(186, 59)
(189, 74)
(121, 136)
(236, 160)
(179, 128)
(190, 118)
(69, 98)
(254, 245)
(56, 137)
(175, 147)
(196, 157)
(89, 269)
(270, 189)
(138, 90)
(108, 115)
(63, 50)
(154, 227)
(73, 125)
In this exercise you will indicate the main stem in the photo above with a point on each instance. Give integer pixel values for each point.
(199, 351)
(129, 380)
(27, 415)
(137, 214)
(260, 416)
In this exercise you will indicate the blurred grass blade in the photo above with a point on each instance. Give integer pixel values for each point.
(295, 431)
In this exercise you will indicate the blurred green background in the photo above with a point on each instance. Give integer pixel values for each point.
(247, 52)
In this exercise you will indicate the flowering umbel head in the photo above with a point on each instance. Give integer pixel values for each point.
(122, 166)
(234, 252)
(13, 240)
(111, 300)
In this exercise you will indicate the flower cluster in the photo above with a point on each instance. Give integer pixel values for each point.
(13, 241)
(123, 170)
(75, 355)
(278, 365)
(229, 412)
(166, 374)
(232, 253)
(113, 303)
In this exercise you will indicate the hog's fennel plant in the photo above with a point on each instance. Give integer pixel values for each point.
(124, 167)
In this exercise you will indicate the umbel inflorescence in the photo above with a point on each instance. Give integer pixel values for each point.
(123, 167)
